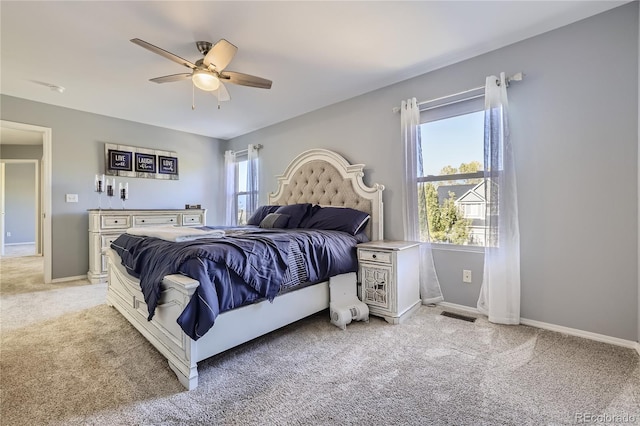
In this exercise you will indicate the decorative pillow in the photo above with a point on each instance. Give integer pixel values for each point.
(260, 213)
(275, 220)
(298, 213)
(339, 219)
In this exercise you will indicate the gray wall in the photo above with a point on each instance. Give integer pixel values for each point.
(574, 126)
(78, 154)
(24, 152)
(20, 203)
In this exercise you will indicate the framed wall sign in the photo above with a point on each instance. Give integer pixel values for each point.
(119, 160)
(131, 161)
(168, 165)
(145, 163)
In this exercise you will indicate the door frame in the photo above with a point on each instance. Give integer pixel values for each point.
(45, 206)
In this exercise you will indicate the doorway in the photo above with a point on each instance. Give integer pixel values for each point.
(20, 188)
(14, 141)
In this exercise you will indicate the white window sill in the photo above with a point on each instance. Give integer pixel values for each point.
(457, 247)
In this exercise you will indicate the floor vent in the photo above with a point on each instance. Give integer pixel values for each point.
(458, 316)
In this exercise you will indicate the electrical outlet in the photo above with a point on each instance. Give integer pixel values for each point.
(72, 198)
(466, 276)
(8, 234)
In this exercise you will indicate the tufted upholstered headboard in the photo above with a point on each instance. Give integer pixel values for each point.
(323, 177)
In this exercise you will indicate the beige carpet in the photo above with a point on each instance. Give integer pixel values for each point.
(24, 274)
(92, 367)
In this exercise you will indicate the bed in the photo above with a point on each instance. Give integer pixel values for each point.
(318, 176)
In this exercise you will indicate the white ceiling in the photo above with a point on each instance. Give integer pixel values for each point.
(316, 53)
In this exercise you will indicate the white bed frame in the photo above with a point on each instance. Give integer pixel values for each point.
(316, 176)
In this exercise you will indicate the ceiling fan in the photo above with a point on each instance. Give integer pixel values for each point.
(208, 73)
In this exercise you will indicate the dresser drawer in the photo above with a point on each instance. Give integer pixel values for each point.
(113, 222)
(106, 240)
(375, 256)
(155, 220)
(191, 219)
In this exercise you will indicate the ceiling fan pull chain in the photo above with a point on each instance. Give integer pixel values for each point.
(193, 97)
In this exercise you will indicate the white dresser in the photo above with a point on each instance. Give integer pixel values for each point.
(107, 225)
(389, 277)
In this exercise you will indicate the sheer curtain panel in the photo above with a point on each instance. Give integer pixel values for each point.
(231, 216)
(412, 149)
(252, 179)
(500, 291)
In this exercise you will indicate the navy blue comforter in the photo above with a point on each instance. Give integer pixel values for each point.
(237, 269)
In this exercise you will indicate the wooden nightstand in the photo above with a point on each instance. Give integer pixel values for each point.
(389, 274)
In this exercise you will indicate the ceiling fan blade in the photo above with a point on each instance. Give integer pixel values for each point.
(171, 78)
(220, 55)
(245, 79)
(222, 93)
(163, 53)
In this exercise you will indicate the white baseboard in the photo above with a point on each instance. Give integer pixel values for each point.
(65, 279)
(558, 328)
(20, 244)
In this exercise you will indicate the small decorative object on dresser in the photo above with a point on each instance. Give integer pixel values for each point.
(389, 277)
(107, 225)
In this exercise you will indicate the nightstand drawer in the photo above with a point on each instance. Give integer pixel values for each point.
(191, 219)
(112, 222)
(375, 256)
(155, 220)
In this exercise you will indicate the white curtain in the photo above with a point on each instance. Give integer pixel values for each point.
(500, 292)
(412, 149)
(231, 218)
(252, 179)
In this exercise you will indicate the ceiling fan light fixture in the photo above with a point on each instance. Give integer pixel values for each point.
(205, 80)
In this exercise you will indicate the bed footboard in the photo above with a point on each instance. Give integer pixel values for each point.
(232, 327)
(163, 332)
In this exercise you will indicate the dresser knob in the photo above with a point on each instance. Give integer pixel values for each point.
(374, 256)
(142, 220)
(171, 220)
(115, 221)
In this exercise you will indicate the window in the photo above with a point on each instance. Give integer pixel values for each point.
(241, 193)
(241, 184)
(452, 185)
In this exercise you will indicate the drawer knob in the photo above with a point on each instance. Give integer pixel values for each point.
(171, 220)
(374, 256)
(142, 220)
(115, 221)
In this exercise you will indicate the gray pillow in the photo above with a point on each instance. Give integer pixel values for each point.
(260, 213)
(275, 220)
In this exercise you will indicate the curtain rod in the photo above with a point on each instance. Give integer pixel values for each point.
(516, 77)
(245, 151)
